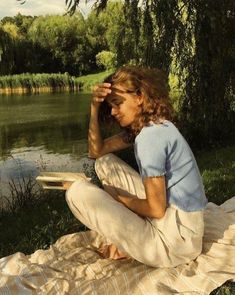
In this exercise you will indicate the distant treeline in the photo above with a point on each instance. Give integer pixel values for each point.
(62, 43)
(37, 83)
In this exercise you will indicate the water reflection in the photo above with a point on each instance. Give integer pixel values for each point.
(47, 129)
(56, 137)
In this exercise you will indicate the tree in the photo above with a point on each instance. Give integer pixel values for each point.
(6, 50)
(22, 22)
(18, 48)
(12, 30)
(119, 34)
(65, 38)
(106, 59)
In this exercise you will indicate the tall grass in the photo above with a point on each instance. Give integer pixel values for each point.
(32, 218)
(36, 82)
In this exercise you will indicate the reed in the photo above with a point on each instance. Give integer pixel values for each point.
(36, 83)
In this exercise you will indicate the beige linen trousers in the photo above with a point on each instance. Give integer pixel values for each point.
(174, 239)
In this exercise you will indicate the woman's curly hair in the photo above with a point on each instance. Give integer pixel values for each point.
(152, 84)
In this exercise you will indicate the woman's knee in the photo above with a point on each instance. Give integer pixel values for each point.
(83, 193)
(76, 191)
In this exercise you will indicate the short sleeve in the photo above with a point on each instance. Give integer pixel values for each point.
(151, 152)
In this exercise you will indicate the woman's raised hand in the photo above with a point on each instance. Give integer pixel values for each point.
(100, 92)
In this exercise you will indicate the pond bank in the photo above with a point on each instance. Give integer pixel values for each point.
(42, 83)
(36, 90)
(38, 83)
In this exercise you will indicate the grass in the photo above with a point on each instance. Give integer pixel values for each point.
(218, 172)
(87, 82)
(35, 219)
(35, 224)
(228, 288)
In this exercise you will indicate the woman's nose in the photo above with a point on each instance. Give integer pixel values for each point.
(113, 111)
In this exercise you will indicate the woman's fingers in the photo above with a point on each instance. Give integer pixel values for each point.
(103, 85)
(101, 90)
(101, 94)
(66, 185)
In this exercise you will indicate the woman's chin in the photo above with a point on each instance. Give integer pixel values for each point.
(123, 124)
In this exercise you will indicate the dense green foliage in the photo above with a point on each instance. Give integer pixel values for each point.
(106, 59)
(53, 43)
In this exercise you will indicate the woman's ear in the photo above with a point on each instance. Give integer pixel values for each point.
(140, 99)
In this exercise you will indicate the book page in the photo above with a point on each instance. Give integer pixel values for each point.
(55, 180)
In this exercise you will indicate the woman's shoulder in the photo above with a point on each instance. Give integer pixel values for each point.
(165, 129)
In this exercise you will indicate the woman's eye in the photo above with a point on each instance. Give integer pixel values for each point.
(115, 103)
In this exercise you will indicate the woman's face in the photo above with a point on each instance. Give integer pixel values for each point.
(126, 106)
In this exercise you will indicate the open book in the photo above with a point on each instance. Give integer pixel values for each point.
(55, 180)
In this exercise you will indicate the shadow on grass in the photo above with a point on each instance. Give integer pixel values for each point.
(34, 219)
(218, 172)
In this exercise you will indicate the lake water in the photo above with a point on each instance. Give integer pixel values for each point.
(42, 132)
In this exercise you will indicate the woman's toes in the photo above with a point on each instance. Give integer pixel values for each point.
(111, 251)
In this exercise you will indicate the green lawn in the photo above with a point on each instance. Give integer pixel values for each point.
(37, 221)
(218, 171)
(88, 81)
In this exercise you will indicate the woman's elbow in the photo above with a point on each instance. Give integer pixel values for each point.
(94, 151)
(95, 155)
(158, 213)
(92, 155)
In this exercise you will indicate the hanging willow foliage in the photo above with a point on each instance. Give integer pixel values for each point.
(210, 67)
(132, 12)
(197, 34)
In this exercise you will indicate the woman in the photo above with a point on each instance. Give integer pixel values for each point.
(155, 217)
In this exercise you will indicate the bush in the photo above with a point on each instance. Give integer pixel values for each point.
(106, 59)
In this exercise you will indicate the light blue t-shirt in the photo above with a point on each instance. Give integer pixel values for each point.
(160, 149)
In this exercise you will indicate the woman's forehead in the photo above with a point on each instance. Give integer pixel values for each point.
(118, 89)
(119, 94)
(114, 97)
(116, 93)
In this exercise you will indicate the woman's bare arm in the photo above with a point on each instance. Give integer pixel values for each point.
(96, 145)
(155, 203)
(95, 142)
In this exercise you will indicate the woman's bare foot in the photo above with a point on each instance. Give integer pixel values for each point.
(111, 251)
